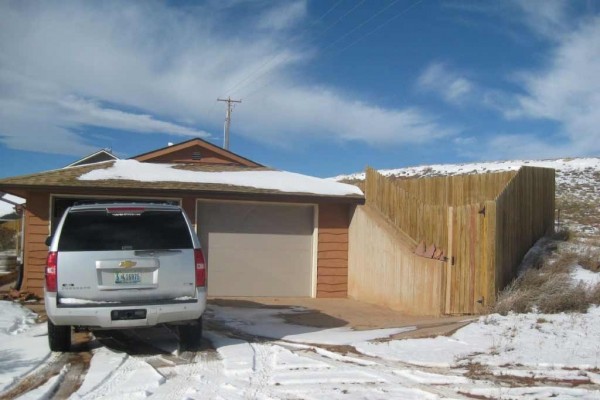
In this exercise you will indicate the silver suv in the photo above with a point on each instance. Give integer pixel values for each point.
(124, 265)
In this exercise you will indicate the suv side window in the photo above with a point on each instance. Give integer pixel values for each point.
(98, 230)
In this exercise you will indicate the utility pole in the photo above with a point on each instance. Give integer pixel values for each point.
(228, 120)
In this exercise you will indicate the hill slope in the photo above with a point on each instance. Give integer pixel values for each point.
(577, 184)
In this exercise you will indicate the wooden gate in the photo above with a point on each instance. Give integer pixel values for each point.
(469, 285)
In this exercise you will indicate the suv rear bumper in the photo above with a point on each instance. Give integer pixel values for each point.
(100, 316)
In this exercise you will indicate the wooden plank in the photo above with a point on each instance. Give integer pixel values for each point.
(328, 271)
(333, 238)
(332, 287)
(327, 246)
(332, 295)
(449, 266)
(332, 280)
(338, 254)
(337, 263)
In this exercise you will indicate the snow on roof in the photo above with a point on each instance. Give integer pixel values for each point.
(270, 180)
(7, 208)
(564, 165)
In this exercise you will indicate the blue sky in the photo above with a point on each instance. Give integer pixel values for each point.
(327, 86)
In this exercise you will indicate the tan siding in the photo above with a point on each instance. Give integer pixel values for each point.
(36, 231)
(332, 252)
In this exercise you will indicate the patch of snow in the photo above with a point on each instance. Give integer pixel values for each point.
(46, 390)
(118, 376)
(532, 340)
(71, 300)
(268, 323)
(431, 378)
(183, 298)
(103, 364)
(271, 180)
(585, 276)
(24, 343)
(538, 392)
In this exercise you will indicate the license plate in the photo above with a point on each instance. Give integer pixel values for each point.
(127, 277)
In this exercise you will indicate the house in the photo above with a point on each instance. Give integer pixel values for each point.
(264, 232)
(96, 157)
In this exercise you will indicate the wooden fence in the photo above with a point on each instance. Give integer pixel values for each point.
(484, 234)
(524, 213)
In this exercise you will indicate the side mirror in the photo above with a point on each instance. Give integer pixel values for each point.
(48, 241)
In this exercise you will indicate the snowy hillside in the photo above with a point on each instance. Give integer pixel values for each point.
(577, 184)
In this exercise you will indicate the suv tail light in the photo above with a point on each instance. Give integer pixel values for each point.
(200, 268)
(50, 273)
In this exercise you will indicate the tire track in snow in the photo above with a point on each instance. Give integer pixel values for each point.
(76, 364)
(201, 374)
(386, 375)
(263, 364)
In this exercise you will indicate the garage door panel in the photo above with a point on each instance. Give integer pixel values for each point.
(256, 242)
(257, 249)
(236, 275)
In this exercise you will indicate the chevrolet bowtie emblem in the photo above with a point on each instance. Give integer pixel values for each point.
(127, 264)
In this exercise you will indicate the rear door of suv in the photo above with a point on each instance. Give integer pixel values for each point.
(125, 254)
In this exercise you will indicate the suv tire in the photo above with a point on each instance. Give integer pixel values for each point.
(190, 336)
(59, 337)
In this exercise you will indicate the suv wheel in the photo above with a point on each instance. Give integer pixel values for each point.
(59, 337)
(190, 336)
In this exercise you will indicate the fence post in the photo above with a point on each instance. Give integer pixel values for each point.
(449, 260)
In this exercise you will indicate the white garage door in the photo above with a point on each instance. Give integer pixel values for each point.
(257, 249)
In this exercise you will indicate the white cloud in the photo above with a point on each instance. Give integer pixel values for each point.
(547, 18)
(147, 67)
(441, 79)
(283, 16)
(567, 90)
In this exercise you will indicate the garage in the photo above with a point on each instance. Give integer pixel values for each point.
(257, 249)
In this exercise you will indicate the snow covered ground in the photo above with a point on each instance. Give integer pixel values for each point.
(257, 355)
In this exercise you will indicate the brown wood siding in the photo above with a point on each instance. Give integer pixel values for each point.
(189, 206)
(332, 256)
(186, 156)
(36, 231)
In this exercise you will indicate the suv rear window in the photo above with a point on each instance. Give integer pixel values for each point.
(99, 230)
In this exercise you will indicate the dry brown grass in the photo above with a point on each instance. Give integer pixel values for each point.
(594, 295)
(546, 284)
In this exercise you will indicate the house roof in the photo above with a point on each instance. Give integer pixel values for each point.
(196, 142)
(198, 179)
(99, 156)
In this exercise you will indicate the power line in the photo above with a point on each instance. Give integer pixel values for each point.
(358, 4)
(404, 11)
(260, 67)
(359, 26)
(407, 9)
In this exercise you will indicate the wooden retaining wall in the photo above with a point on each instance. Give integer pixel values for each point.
(384, 271)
